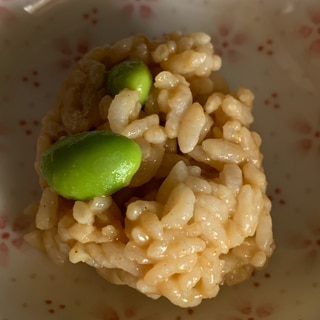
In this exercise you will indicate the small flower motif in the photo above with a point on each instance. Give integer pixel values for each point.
(91, 16)
(140, 7)
(276, 196)
(227, 42)
(266, 47)
(29, 127)
(272, 100)
(70, 52)
(251, 311)
(10, 236)
(310, 31)
(308, 135)
(54, 307)
(32, 78)
(308, 243)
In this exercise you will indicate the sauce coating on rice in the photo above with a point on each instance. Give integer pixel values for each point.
(195, 215)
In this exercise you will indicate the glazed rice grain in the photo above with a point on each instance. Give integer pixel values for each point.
(196, 214)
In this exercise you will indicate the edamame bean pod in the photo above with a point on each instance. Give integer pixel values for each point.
(90, 164)
(130, 74)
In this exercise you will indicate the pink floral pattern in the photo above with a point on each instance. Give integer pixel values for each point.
(228, 42)
(31, 78)
(69, 51)
(10, 235)
(307, 243)
(310, 31)
(143, 8)
(54, 307)
(308, 135)
(91, 16)
(272, 101)
(276, 196)
(251, 311)
(266, 47)
(29, 126)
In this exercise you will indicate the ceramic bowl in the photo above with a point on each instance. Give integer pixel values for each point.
(272, 47)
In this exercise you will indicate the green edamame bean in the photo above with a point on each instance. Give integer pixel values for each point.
(130, 74)
(90, 164)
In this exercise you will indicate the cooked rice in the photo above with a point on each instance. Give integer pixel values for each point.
(196, 214)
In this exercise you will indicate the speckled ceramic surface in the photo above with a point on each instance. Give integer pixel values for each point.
(272, 46)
